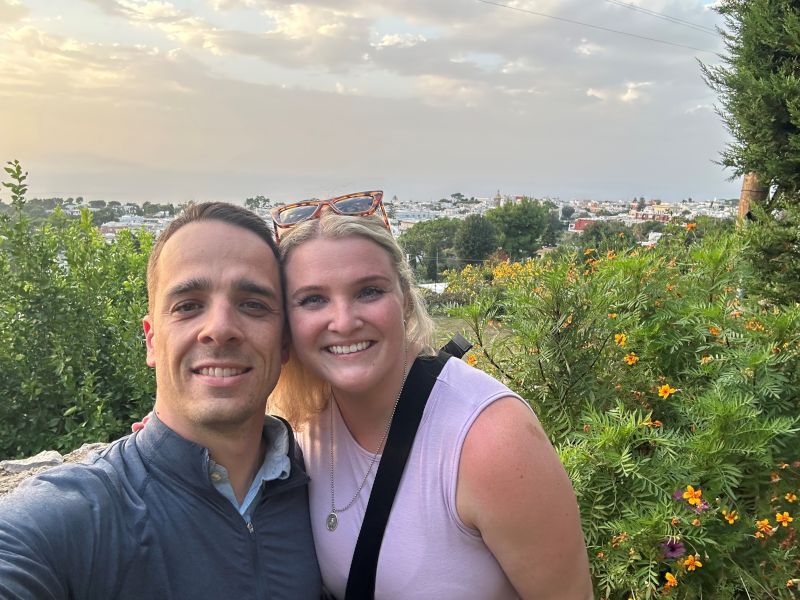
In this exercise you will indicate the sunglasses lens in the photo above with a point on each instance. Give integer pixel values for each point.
(354, 206)
(295, 214)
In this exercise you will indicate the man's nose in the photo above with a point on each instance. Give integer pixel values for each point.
(221, 324)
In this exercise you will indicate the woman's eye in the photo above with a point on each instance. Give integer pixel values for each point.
(311, 301)
(371, 293)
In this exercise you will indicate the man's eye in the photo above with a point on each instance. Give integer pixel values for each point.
(186, 307)
(255, 306)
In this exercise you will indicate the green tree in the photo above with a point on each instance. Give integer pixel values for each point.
(759, 87)
(475, 239)
(257, 202)
(607, 235)
(520, 226)
(567, 211)
(428, 244)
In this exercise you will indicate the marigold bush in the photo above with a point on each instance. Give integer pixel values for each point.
(670, 389)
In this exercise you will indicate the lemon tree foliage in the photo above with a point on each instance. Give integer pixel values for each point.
(671, 390)
(71, 350)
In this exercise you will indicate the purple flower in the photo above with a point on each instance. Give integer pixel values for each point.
(701, 507)
(673, 548)
(678, 495)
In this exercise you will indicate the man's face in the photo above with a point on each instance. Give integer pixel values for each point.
(215, 333)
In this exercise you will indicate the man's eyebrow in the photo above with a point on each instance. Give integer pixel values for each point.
(247, 285)
(196, 284)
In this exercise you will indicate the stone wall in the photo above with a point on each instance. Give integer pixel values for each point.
(14, 472)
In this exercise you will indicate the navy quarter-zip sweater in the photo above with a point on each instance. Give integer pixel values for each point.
(143, 521)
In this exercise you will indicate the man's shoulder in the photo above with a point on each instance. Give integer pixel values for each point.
(95, 480)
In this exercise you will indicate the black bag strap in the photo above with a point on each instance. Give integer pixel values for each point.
(418, 386)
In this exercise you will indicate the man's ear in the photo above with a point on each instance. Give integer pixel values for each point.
(147, 325)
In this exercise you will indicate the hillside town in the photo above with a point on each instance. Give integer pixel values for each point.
(404, 214)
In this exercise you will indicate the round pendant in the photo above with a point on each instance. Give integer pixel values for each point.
(332, 521)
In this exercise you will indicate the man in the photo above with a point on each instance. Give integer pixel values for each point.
(210, 499)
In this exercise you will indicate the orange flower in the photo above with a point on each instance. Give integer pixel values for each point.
(791, 497)
(620, 339)
(665, 391)
(706, 359)
(670, 287)
(763, 527)
(631, 358)
(675, 521)
(783, 518)
(692, 562)
(690, 226)
(715, 331)
(588, 251)
(612, 315)
(696, 522)
(693, 496)
(471, 360)
(731, 517)
(672, 581)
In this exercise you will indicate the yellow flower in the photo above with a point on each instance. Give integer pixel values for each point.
(672, 581)
(692, 562)
(693, 496)
(783, 518)
(631, 358)
(471, 360)
(665, 391)
(706, 359)
(620, 339)
(588, 251)
(611, 255)
(612, 315)
(730, 517)
(791, 497)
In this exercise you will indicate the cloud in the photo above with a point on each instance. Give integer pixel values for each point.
(12, 11)
(586, 48)
(633, 91)
(699, 108)
(406, 40)
(599, 94)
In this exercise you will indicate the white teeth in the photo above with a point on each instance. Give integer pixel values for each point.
(348, 349)
(220, 372)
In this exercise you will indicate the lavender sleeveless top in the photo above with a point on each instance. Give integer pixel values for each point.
(427, 550)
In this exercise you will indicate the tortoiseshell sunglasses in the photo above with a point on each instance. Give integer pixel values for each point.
(360, 204)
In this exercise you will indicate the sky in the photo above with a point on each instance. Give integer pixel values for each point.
(173, 101)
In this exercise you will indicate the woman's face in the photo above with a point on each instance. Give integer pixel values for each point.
(345, 308)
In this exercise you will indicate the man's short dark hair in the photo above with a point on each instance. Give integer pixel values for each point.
(209, 211)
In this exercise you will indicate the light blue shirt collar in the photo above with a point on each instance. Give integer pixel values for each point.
(276, 465)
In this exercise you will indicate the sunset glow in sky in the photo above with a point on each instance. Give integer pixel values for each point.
(136, 100)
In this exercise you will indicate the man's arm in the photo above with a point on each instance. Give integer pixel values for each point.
(48, 529)
(514, 490)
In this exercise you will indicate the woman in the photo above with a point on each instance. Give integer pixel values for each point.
(484, 509)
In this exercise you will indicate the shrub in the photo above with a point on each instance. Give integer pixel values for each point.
(671, 393)
(71, 348)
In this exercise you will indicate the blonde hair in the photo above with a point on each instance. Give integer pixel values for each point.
(300, 394)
